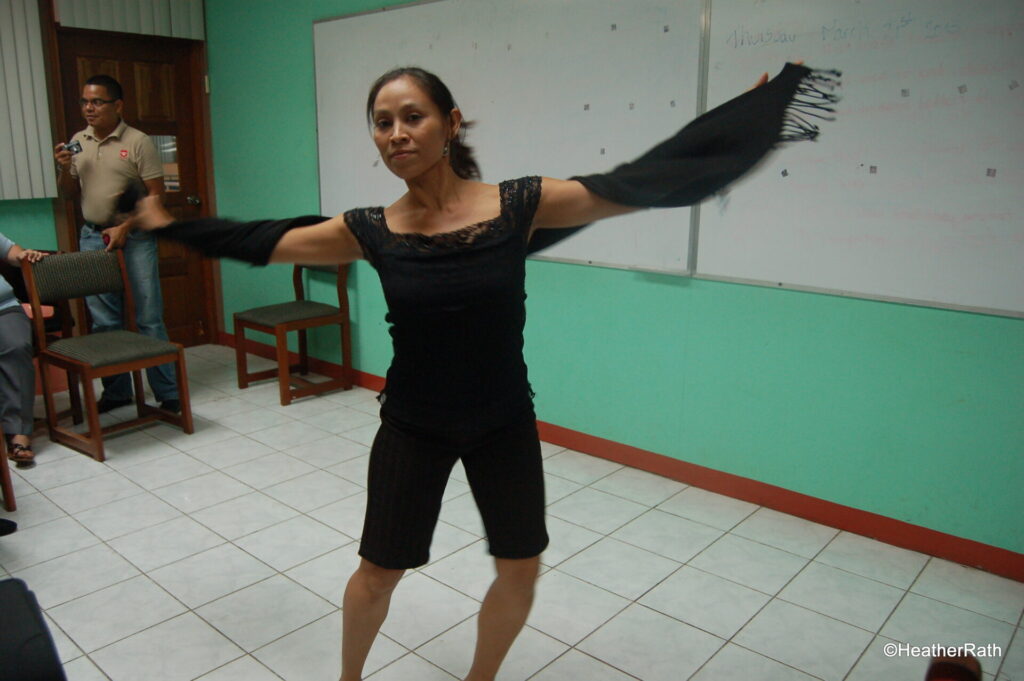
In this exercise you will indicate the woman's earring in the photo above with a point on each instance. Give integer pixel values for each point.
(446, 149)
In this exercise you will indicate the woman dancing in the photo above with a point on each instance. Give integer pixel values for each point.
(450, 254)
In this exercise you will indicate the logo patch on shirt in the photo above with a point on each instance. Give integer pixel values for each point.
(124, 153)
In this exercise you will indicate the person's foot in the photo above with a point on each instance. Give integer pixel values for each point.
(19, 450)
(173, 406)
(7, 527)
(106, 404)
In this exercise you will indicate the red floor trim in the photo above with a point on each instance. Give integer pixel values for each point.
(889, 530)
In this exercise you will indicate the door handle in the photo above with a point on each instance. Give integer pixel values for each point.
(193, 200)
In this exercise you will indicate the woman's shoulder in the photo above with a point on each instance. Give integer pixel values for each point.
(364, 222)
(521, 195)
(367, 213)
(524, 182)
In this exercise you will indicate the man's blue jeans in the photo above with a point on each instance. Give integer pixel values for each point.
(141, 259)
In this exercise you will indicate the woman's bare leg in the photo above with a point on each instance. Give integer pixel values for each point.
(364, 608)
(503, 614)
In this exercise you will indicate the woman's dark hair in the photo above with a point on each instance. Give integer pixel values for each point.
(461, 155)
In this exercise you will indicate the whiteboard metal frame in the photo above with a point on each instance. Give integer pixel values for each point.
(783, 286)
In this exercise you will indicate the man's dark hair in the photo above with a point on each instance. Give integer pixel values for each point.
(114, 90)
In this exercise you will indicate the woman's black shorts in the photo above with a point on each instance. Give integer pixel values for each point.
(407, 477)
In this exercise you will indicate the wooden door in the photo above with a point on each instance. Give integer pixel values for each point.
(163, 97)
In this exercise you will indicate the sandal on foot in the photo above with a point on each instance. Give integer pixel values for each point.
(21, 455)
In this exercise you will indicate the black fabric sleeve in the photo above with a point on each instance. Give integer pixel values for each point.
(520, 198)
(366, 233)
(248, 241)
(717, 148)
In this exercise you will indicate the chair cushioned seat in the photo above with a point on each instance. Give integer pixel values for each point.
(282, 313)
(111, 347)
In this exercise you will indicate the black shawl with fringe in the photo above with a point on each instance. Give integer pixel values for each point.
(702, 159)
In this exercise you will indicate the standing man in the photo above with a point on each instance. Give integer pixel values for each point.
(114, 157)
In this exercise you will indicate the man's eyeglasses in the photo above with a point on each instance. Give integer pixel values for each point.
(96, 103)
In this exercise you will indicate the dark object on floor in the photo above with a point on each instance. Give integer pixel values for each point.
(7, 527)
(173, 406)
(27, 652)
(962, 668)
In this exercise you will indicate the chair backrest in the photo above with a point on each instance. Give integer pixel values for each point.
(58, 278)
(74, 275)
(16, 279)
(340, 270)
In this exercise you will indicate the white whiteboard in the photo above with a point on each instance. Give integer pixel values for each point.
(556, 88)
(916, 192)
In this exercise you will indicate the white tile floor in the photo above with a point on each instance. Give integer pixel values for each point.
(222, 556)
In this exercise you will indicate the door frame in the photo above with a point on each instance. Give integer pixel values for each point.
(65, 222)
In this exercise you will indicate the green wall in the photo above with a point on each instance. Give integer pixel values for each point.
(29, 223)
(912, 413)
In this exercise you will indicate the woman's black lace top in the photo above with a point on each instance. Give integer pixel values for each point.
(457, 306)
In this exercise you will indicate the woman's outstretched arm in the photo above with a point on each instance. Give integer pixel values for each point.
(703, 158)
(326, 243)
(567, 203)
(309, 240)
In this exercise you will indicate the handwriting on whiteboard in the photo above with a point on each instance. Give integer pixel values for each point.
(896, 27)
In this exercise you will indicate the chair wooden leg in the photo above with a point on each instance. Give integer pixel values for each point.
(92, 415)
(241, 362)
(140, 392)
(283, 368)
(76, 398)
(6, 484)
(48, 403)
(183, 395)
(346, 354)
(303, 353)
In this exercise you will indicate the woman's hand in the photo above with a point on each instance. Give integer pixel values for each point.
(150, 214)
(30, 255)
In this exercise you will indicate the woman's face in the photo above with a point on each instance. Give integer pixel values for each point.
(409, 130)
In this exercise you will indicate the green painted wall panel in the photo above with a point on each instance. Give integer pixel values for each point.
(29, 223)
(909, 412)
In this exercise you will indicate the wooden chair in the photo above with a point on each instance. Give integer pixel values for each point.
(298, 315)
(55, 280)
(6, 484)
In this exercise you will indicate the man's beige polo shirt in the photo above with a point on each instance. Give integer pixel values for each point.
(105, 168)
